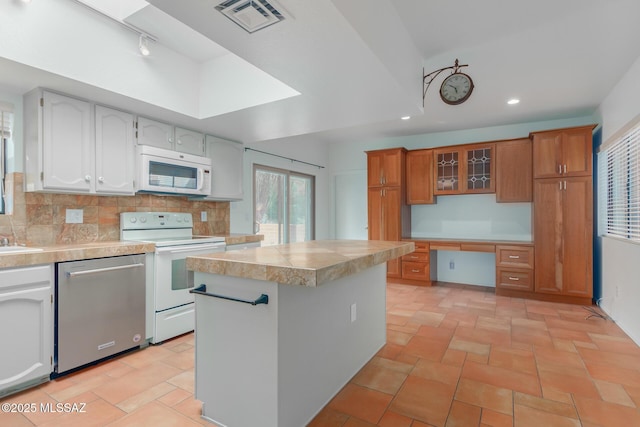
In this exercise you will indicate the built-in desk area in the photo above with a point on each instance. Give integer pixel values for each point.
(514, 262)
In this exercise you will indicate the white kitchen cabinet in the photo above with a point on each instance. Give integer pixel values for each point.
(157, 134)
(115, 151)
(227, 158)
(163, 135)
(26, 302)
(189, 141)
(59, 149)
(71, 149)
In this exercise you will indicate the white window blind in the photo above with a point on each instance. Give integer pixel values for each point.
(623, 185)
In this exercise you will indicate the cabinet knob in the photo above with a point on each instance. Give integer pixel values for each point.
(87, 178)
(179, 142)
(101, 179)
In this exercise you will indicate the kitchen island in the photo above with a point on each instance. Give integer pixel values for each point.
(280, 329)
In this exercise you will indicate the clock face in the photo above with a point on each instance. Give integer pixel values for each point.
(456, 88)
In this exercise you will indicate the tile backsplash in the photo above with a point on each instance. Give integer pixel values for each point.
(38, 219)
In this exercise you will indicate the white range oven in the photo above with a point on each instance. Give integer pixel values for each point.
(171, 309)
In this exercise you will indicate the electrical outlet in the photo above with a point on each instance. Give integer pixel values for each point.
(203, 216)
(353, 312)
(452, 265)
(74, 216)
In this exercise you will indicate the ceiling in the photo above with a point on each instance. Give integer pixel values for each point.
(358, 64)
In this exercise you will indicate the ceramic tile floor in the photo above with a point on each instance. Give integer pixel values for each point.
(455, 356)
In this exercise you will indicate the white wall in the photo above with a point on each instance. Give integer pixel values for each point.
(469, 216)
(620, 267)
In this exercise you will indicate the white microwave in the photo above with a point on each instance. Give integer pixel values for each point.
(171, 172)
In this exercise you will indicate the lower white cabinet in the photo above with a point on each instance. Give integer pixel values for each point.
(26, 316)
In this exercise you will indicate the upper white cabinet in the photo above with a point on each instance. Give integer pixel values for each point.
(59, 147)
(189, 141)
(66, 152)
(227, 165)
(115, 151)
(163, 135)
(26, 301)
(158, 134)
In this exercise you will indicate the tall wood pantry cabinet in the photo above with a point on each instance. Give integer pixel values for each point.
(389, 215)
(563, 214)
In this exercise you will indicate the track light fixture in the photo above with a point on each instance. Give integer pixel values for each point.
(143, 45)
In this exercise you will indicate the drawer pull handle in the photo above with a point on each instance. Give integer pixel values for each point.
(515, 279)
(415, 271)
(514, 256)
(414, 257)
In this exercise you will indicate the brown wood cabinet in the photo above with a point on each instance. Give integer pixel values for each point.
(514, 268)
(464, 169)
(416, 266)
(386, 167)
(420, 177)
(389, 215)
(514, 177)
(563, 223)
(562, 152)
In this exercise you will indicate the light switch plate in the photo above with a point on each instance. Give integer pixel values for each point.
(74, 216)
(203, 216)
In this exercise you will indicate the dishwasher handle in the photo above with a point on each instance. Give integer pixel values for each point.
(103, 270)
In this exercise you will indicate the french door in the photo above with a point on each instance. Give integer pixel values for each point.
(283, 205)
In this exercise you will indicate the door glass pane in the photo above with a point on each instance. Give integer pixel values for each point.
(283, 205)
(448, 171)
(269, 201)
(300, 208)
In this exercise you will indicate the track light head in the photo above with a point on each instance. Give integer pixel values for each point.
(143, 45)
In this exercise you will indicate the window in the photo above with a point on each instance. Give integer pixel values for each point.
(6, 125)
(622, 158)
(283, 205)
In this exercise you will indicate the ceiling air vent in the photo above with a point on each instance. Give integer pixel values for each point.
(253, 15)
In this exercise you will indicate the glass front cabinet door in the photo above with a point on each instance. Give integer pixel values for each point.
(464, 169)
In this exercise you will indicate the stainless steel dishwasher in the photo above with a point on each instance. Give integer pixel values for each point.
(100, 309)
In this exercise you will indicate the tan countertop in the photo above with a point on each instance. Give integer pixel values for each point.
(305, 263)
(72, 252)
(238, 239)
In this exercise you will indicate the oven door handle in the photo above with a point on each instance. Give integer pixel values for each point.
(191, 248)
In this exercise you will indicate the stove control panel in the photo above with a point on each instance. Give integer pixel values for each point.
(155, 220)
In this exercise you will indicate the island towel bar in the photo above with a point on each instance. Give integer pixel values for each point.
(202, 290)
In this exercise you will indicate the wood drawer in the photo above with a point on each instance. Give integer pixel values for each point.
(421, 246)
(416, 257)
(519, 279)
(443, 246)
(478, 247)
(514, 256)
(415, 270)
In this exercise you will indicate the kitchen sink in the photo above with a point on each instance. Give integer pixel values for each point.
(17, 249)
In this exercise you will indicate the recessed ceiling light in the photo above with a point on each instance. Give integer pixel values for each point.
(405, 117)
(513, 101)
